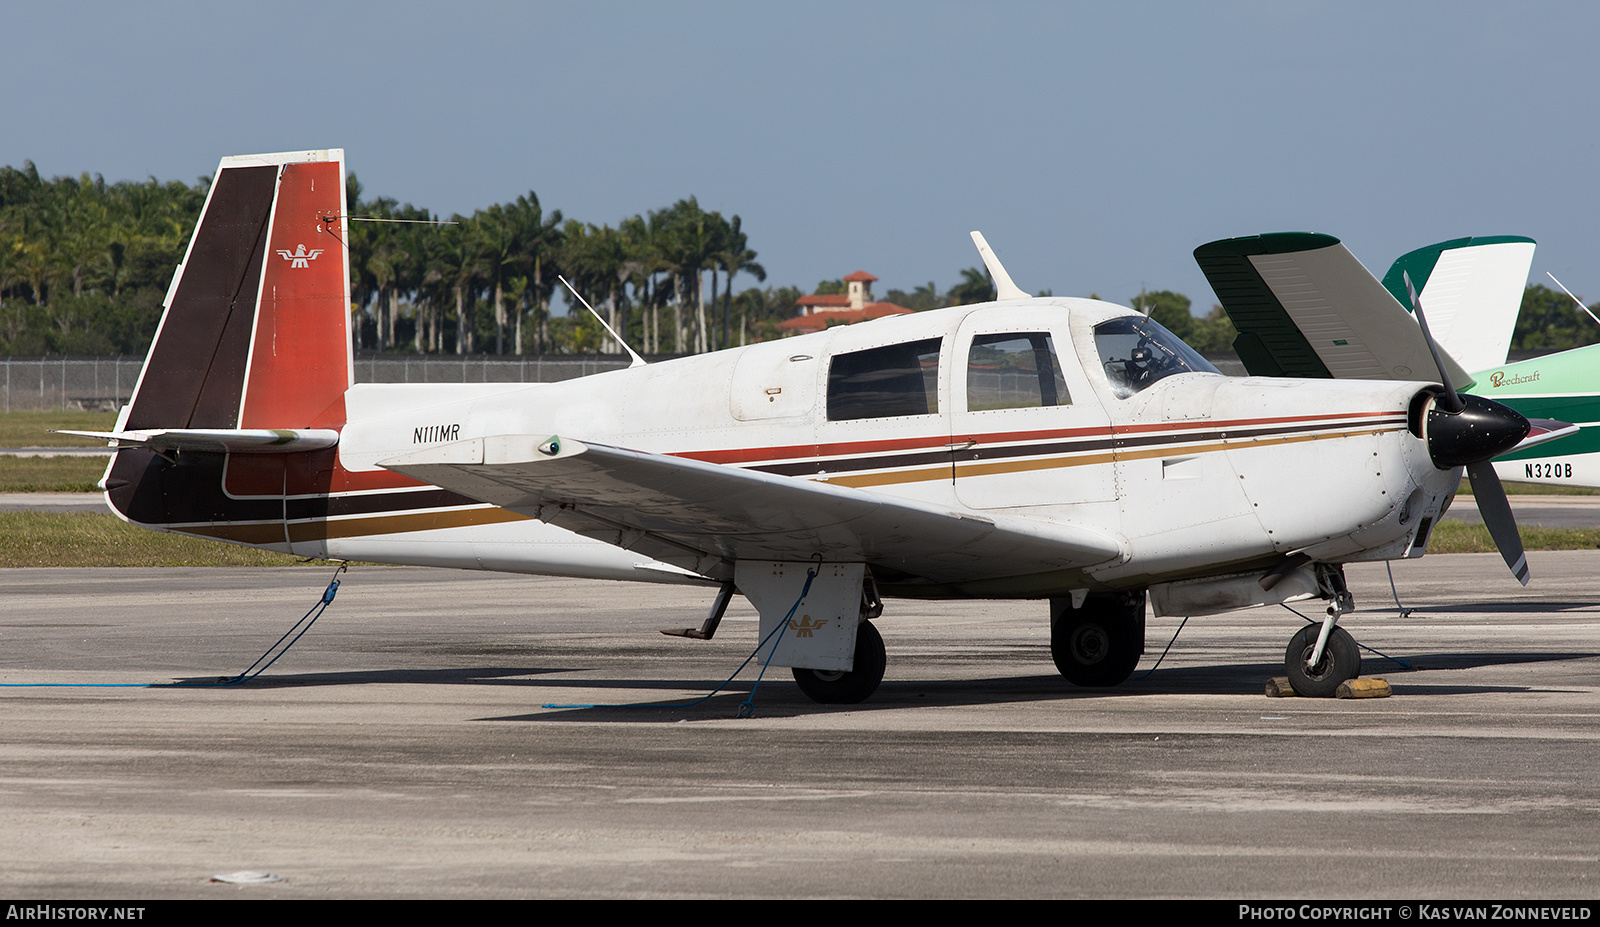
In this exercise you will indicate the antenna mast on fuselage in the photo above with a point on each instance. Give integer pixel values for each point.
(637, 360)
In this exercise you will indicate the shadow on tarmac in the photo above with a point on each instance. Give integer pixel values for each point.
(777, 696)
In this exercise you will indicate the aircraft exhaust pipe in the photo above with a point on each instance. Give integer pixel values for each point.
(1481, 430)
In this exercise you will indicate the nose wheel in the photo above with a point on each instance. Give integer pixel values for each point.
(1341, 661)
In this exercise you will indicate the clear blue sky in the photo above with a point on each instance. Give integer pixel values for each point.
(1095, 144)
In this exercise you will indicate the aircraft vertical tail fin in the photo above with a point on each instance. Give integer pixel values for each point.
(1473, 290)
(255, 332)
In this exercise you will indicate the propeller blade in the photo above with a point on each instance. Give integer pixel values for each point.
(1433, 346)
(1497, 517)
(1473, 436)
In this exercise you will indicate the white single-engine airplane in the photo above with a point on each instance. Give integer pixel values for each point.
(1060, 449)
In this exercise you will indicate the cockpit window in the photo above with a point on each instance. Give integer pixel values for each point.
(898, 379)
(1137, 351)
(1014, 371)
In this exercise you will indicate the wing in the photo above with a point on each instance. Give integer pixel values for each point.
(703, 516)
(1305, 307)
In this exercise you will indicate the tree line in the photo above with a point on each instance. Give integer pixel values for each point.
(85, 265)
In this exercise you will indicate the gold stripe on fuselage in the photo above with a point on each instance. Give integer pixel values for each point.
(1052, 463)
(272, 532)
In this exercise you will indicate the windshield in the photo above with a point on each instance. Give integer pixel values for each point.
(1137, 351)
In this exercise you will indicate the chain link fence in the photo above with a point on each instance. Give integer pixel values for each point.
(103, 384)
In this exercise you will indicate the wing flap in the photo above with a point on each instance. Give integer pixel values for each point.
(703, 516)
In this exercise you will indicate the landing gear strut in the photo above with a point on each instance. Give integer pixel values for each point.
(1099, 642)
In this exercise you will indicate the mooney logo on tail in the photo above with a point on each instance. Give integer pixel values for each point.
(300, 257)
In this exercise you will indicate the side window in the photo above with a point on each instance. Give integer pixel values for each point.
(898, 379)
(1014, 371)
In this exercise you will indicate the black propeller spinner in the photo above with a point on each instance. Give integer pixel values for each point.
(1469, 432)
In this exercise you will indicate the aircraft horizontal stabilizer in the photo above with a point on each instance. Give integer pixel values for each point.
(704, 516)
(1542, 430)
(1305, 307)
(220, 440)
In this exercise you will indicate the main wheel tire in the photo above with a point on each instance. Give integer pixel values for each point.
(1341, 661)
(847, 688)
(1099, 644)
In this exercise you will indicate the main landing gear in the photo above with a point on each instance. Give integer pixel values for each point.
(848, 687)
(1099, 642)
(839, 687)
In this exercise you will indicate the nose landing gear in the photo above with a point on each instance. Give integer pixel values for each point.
(1341, 661)
(1321, 656)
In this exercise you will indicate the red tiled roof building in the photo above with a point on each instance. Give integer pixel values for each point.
(855, 305)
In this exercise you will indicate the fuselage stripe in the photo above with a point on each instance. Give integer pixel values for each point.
(961, 469)
(270, 533)
(1119, 445)
(396, 511)
(800, 452)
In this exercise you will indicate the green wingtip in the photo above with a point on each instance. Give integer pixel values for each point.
(1270, 243)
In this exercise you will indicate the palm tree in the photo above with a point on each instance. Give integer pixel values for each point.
(686, 236)
(541, 237)
(594, 259)
(511, 239)
(644, 261)
(455, 262)
(975, 287)
(385, 259)
(736, 256)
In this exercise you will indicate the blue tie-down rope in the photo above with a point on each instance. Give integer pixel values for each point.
(747, 707)
(302, 625)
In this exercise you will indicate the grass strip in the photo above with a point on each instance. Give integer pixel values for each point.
(33, 429)
(1533, 489)
(1456, 537)
(51, 474)
(100, 539)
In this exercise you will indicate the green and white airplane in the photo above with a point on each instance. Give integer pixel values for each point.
(1306, 307)
(1558, 386)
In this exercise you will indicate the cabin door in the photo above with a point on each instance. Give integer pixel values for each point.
(1025, 427)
